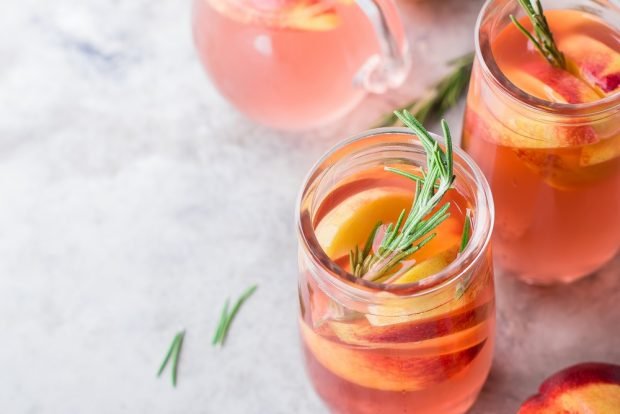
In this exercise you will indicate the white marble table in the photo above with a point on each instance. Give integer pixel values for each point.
(133, 200)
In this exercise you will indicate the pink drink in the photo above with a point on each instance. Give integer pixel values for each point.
(284, 63)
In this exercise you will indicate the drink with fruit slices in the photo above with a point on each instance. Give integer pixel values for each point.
(299, 63)
(548, 139)
(420, 338)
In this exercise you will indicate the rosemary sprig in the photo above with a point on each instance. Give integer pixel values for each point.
(466, 233)
(173, 353)
(406, 236)
(441, 97)
(542, 37)
(227, 317)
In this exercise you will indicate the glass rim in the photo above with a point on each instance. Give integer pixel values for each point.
(363, 290)
(566, 110)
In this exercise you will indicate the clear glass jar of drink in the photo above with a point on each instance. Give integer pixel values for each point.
(295, 64)
(548, 140)
(423, 347)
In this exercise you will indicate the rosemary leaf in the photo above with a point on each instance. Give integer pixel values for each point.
(441, 97)
(542, 38)
(466, 232)
(227, 317)
(175, 357)
(173, 353)
(220, 327)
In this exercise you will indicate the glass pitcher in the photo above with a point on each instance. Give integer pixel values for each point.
(295, 64)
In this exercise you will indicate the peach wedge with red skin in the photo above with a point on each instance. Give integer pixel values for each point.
(584, 388)
(308, 15)
(552, 84)
(593, 61)
(352, 220)
(365, 334)
(385, 369)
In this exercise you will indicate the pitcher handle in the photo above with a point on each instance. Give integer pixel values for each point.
(389, 69)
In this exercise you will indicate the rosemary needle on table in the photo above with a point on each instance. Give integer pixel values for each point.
(227, 317)
(173, 354)
(441, 97)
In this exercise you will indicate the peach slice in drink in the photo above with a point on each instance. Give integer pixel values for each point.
(447, 239)
(428, 267)
(353, 219)
(601, 152)
(399, 312)
(511, 130)
(385, 369)
(312, 15)
(593, 61)
(546, 82)
(361, 332)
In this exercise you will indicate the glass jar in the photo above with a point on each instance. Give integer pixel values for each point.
(295, 64)
(554, 168)
(369, 347)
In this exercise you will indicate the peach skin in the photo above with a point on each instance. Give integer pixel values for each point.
(588, 388)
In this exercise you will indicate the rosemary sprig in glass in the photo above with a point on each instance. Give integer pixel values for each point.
(441, 97)
(407, 236)
(227, 317)
(466, 233)
(174, 352)
(542, 37)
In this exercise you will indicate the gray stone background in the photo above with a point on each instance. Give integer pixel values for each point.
(134, 200)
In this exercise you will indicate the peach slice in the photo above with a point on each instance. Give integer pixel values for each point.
(512, 130)
(583, 388)
(448, 236)
(361, 332)
(601, 152)
(385, 369)
(593, 61)
(430, 266)
(568, 169)
(398, 311)
(352, 220)
(555, 85)
(312, 15)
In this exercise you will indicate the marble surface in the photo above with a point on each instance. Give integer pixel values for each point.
(134, 200)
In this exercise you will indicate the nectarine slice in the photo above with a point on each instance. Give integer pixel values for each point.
(593, 61)
(543, 81)
(603, 151)
(511, 130)
(399, 310)
(387, 370)
(407, 335)
(353, 220)
(310, 15)
(569, 169)
(584, 388)
(429, 267)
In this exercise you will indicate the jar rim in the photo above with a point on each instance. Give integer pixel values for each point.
(363, 290)
(603, 107)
